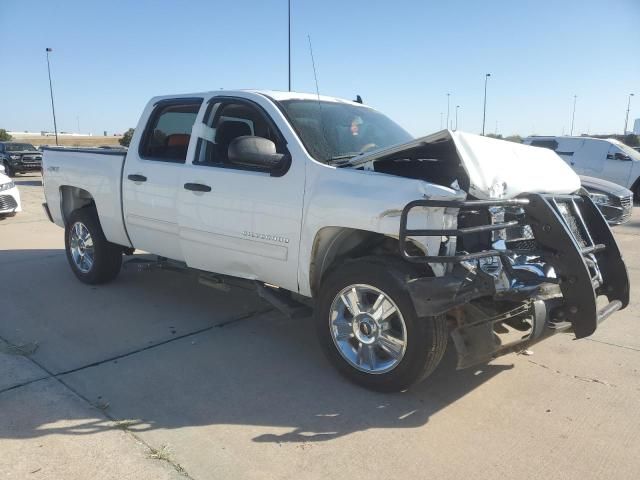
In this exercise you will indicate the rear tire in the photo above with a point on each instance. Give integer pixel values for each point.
(93, 259)
(399, 349)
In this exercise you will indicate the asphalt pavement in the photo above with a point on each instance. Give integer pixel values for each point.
(156, 376)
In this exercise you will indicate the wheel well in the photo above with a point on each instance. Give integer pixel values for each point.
(73, 198)
(333, 245)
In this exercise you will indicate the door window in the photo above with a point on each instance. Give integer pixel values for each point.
(223, 122)
(550, 144)
(168, 132)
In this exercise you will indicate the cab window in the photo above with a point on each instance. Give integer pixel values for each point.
(168, 131)
(227, 120)
(550, 144)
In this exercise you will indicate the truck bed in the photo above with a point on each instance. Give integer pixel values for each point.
(96, 171)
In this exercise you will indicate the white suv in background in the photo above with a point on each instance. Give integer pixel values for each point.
(9, 197)
(607, 159)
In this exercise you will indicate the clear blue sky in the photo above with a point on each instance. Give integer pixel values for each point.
(402, 56)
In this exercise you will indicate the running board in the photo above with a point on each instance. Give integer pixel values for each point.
(282, 300)
(148, 264)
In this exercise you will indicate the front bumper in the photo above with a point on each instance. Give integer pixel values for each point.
(20, 166)
(571, 236)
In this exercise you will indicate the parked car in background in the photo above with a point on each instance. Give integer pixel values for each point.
(9, 197)
(19, 157)
(607, 159)
(614, 201)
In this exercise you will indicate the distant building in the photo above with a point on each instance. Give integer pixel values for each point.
(636, 127)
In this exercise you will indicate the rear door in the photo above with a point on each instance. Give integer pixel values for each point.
(151, 176)
(244, 221)
(567, 148)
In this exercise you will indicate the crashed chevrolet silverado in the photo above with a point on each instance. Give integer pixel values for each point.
(396, 242)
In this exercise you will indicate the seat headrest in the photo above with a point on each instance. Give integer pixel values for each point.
(230, 129)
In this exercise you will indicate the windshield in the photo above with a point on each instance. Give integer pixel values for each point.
(634, 154)
(332, 130)
(19, 147)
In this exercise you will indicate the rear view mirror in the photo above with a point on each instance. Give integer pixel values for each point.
(251, 151)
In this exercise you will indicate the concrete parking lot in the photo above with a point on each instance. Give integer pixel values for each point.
(156, 376)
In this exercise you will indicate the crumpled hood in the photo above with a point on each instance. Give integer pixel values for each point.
(497, 168)
(501, 168)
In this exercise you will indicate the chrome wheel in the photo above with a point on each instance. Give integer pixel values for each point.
(81, 245)
(368, 329)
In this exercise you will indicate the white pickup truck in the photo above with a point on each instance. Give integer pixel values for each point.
(398, 242)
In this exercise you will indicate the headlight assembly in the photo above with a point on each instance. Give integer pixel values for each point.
(7, 186)
(600, 198)
(14, 157)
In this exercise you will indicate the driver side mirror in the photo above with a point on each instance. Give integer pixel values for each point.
(251, 151)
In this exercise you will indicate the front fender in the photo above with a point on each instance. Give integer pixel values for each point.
(366, 201)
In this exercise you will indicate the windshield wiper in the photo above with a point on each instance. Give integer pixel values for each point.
(337, 158)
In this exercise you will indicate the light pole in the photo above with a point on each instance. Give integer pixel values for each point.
(53, 108)
(626, 119)
(448, 96)
(573, 114)
(289, 15)
(484, 110)
(457, 107)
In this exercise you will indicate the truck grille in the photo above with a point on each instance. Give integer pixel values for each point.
(627, 202)
(626, 205)
(7, 202)
(522, 237)
(566, 209)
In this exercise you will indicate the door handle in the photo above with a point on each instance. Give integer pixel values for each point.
(197, 187)
(137, 178)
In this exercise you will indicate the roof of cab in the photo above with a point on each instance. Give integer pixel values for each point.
(274, 94)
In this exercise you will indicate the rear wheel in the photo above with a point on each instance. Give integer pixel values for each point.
(91, 256)
(368, 327)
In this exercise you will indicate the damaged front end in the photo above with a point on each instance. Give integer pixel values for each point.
(524, 269)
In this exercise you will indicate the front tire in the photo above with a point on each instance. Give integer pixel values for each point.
(93, 259)
(9, 170)
(369, 329)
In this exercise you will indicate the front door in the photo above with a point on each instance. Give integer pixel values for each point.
(617, 166)
(236, 220)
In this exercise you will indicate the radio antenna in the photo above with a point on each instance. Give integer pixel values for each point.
(315, 74)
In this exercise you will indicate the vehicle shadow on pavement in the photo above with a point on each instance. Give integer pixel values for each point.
(158, 351)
